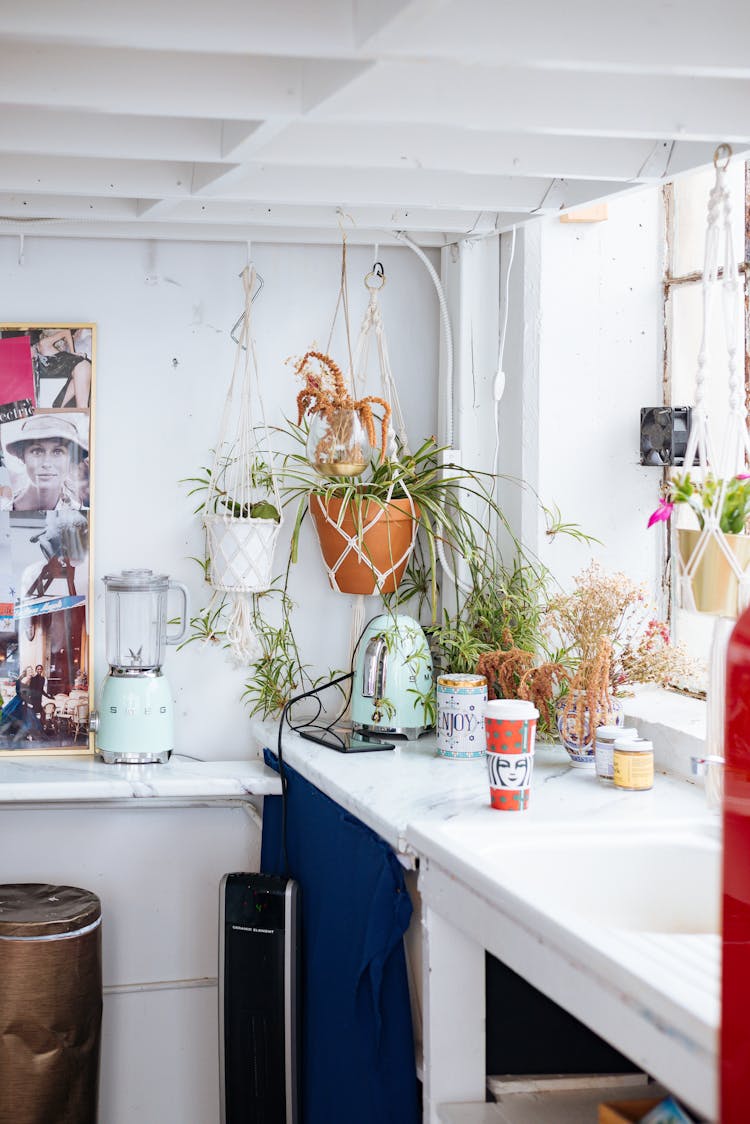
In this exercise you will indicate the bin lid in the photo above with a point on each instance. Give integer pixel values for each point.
(36, 909)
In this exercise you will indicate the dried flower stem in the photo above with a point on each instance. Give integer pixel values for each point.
(324, 392)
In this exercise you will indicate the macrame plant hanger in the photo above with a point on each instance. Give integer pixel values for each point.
(730, 458)
(372, 325)
(352, 543)
(240, 544)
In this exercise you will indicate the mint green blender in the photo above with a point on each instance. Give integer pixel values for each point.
(135, 721)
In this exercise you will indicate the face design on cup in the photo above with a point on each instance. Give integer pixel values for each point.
(509, 770)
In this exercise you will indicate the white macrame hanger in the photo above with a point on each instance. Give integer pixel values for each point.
(372, 324)
(719, 271)
(240, 545)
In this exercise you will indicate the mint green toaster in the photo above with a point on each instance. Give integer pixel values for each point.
(393, 690)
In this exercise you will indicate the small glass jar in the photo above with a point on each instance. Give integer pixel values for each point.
(337, 444)
(634, 764)
(604, 757)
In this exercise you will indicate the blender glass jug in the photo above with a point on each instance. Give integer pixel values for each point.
(136, 619)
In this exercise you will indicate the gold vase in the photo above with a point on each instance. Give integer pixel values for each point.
(714, 583)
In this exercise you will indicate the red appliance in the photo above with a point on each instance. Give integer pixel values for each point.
(735, 990)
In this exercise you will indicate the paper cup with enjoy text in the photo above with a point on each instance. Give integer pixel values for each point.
(510, 729)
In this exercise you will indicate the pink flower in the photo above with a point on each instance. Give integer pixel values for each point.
(662, 513)
(742, 476)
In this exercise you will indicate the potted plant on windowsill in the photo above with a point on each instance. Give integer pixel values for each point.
(713, 581)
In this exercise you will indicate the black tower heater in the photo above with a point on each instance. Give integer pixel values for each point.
(258, 999)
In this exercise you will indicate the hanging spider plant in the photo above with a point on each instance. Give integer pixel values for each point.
(430, 496)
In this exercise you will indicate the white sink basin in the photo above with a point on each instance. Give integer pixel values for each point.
(649, 882)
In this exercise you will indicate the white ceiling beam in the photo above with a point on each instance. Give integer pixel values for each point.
(642, 36)
(242, 140)
(268, 186)
(218, 179)
(71, 176)
(198, 232)
(214, 211)
(35, 208)
(373, 22)
(285, 27)
(322, 81)
(166, 83)
(150, 209)
(491, 153)
(518, 99)
(35, 130)
(662, 37)
(405, 187)
(217, 213)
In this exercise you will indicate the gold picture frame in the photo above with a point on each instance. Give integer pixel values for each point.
(47, 381)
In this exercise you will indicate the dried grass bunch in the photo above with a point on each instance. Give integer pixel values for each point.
(325, 393)
(612, 639)
(611, 610)
(601, 638)
(512, 673)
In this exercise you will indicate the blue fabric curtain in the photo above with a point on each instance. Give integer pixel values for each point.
(357, 1048)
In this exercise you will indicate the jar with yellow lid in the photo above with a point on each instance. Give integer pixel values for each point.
(634, 764)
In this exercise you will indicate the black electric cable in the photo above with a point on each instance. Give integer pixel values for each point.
(313, 693)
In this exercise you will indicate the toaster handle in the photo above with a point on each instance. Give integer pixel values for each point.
(374, 668)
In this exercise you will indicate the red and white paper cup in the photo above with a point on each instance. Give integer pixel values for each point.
(510, 729)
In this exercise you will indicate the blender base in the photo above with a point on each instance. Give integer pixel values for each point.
(119, 758)
(136, 723)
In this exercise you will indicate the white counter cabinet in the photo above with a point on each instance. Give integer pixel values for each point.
(153, 841)
(652, 992)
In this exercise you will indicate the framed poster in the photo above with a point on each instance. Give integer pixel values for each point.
(46, 400)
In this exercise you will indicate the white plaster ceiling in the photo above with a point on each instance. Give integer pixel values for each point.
(227, 119)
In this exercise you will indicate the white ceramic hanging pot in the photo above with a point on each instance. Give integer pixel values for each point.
(240, 552)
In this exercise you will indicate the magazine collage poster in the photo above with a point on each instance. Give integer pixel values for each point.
(46, 384)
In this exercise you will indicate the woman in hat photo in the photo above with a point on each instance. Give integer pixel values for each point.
(53, 451)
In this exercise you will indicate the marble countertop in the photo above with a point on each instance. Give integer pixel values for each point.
(41, 780)
(394, 790)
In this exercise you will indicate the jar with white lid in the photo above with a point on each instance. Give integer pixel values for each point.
(604, 757)
(634, 764)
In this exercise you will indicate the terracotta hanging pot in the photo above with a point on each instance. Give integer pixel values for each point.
(714, 584)
(367, 549)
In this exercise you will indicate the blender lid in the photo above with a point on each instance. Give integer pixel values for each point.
(136, 580)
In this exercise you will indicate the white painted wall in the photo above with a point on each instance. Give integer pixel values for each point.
(583, 355)
(164, 359)
(163, 314)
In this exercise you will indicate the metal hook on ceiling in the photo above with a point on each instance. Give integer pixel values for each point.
(375, 279)
(723, 152)
(341, 214)
(238, 323)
